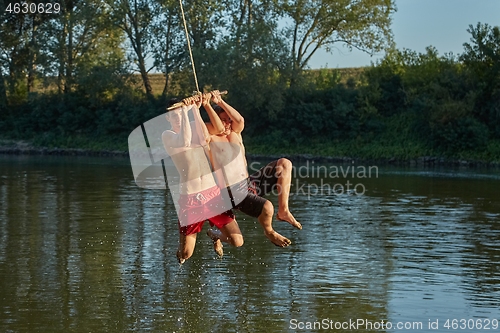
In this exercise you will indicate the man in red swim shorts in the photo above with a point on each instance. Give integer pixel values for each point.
(197, 207)
(200, 198)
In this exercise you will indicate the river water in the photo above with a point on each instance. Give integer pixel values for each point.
(83, 249)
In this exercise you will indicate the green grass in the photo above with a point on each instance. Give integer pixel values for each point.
(381, 149)
(378, 150)
(80, 142)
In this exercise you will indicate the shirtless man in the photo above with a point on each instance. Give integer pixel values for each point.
(200, 198)
(228, 156)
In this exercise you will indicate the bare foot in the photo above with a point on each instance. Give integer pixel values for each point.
(288, 217)
(181, 260)
(277, 239)
(214, 235)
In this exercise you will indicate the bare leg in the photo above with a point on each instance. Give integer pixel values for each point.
(230, 234)
(216, 235)
(266, 219)
(284, 174)
(186, 247)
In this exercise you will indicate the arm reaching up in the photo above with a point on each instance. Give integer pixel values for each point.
(238, 122)
(180, 135)
(215, 126)
(200, 127)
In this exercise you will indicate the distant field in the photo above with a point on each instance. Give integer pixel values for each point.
(49, 84)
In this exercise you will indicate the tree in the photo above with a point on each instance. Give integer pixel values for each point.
(482, 62)
(205, 26)
(3, 92)
(169, 48)
(19, 47)
(135, 18)
(315, 24)
(483, 52)
(79, 37)
(249, 59)
(10, 46)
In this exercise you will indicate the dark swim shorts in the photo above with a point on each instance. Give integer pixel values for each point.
(256, 186)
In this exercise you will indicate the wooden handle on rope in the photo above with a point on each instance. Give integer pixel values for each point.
(177, 105)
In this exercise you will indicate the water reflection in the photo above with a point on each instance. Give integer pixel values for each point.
(83, 249)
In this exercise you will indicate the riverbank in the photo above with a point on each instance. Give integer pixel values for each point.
(17, 147)
(12, 147)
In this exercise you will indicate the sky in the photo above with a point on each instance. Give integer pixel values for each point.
(418, 24)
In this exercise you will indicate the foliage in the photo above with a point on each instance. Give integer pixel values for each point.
(407, 105)
(481, 59)
(363, 24)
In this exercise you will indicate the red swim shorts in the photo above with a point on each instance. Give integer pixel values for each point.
(196, 208)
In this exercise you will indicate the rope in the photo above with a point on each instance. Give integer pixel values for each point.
(189, 47)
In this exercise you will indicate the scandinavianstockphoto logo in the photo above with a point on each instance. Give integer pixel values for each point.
(311, 180)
